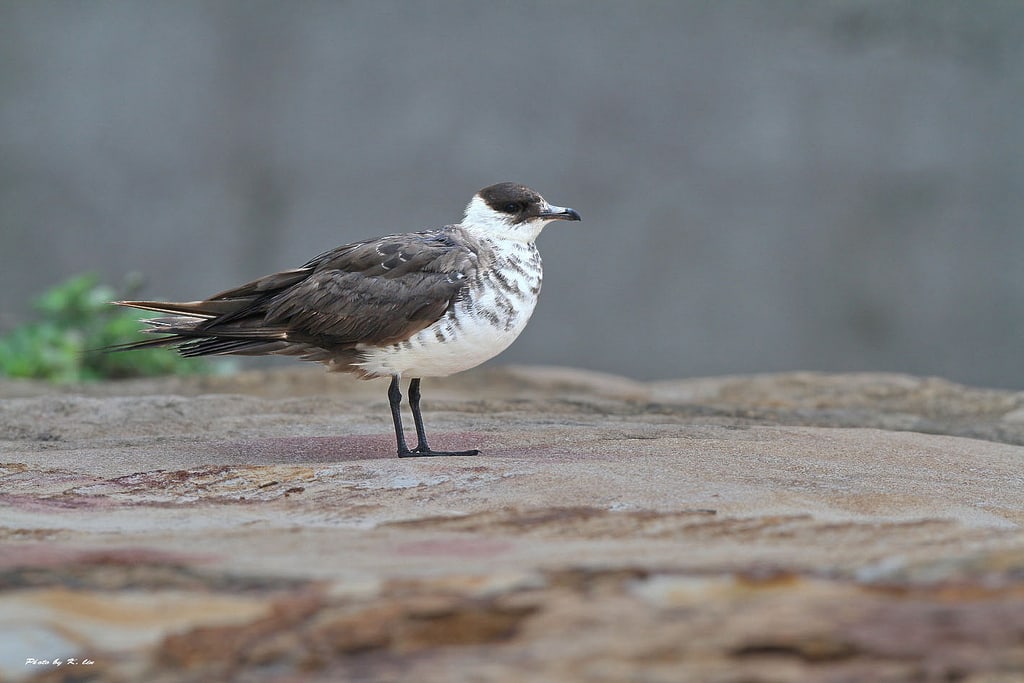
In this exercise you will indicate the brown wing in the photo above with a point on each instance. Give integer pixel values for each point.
(375, 292)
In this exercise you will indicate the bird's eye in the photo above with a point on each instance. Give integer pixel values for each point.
(512, 207)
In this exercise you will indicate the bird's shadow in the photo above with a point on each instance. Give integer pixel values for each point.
(323, 449)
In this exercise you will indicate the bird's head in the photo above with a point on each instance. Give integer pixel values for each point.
(512, 211)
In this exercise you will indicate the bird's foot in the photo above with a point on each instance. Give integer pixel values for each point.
(423, 452)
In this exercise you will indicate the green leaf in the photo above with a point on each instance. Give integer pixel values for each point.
(76, 322)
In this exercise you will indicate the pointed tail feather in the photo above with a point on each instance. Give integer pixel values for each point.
(145, 344)
(223, 346)
(196, 309)
(193, 329)
(193, 345)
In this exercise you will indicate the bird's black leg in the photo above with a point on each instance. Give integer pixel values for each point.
(422, 448)
(395, 399)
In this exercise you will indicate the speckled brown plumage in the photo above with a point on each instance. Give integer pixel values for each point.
(427, 303)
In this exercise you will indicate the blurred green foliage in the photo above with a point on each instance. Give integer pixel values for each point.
(76, 321)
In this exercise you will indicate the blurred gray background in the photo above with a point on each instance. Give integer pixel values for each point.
(765, 185)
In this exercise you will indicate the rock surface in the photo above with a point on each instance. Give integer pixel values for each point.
(796, 527)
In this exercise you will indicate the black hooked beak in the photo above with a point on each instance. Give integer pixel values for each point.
(559, 213)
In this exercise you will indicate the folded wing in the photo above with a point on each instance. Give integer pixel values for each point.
(376, 292)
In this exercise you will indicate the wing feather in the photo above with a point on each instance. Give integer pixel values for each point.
(373, 292)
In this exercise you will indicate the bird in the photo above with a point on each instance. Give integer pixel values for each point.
(418, 304)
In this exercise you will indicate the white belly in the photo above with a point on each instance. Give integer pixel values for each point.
(472, 332)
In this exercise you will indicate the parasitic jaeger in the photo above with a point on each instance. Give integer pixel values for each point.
(419, 304)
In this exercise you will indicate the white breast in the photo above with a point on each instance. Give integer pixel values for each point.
(479, 326)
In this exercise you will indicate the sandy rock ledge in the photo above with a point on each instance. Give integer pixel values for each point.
(776, 528)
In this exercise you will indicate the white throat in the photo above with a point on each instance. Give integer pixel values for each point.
(482, 220)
